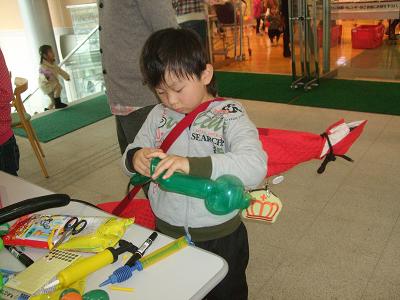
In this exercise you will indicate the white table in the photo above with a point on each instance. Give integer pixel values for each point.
(188, 274)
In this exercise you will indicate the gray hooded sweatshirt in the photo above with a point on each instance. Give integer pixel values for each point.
(224, 133)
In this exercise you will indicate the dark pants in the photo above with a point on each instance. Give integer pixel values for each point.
(9, 156)
(392, 28)
(234, 248)
(286, 36)
(274, 33)
(258, 20)
(199, 26)
(128, 126)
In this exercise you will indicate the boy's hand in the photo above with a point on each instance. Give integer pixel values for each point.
(171, 163)
(140, 161)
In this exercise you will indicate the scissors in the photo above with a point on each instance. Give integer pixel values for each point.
(72, 227)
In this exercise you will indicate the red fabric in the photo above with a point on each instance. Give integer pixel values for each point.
(288, 148)
(6, 95)
(344, 145)
(119, 209)
(285, 150)
(257, 8)
(139, 208)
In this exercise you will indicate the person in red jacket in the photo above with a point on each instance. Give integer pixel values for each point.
(9, 153)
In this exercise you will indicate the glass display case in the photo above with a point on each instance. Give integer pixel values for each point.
(84, 65)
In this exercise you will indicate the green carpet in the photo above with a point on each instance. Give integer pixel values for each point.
(364, 96)
(264, 87)
(61, 122)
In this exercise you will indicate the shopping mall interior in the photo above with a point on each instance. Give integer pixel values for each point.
(338, 233)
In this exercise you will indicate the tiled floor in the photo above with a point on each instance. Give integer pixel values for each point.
(382, 63)
(338, 234)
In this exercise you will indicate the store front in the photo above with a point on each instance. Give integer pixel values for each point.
(361, 44)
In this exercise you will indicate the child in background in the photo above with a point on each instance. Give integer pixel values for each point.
(275, 25)
(221, 140)
(257, 11)
(48, 77)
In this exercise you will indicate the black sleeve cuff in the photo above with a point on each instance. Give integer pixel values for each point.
(200, 166)
(129, 159)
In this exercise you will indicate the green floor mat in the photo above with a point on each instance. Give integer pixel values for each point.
(365, 96)
(264, 87)
(61, 122)
(356, 95)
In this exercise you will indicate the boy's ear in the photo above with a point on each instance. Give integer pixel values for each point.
(207, 74)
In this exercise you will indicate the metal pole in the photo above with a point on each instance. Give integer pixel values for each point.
(326, 41)
(301, 35)
(78, 46)
(241, 31)
(307, 39)
(235, 32)
(316, 46)
(291, 37)
(312, 49)
(209, 34)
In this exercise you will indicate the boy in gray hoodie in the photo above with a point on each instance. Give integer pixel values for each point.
(221, 140)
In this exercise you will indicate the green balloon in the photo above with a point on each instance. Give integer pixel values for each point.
(221, 196)
(96, 295)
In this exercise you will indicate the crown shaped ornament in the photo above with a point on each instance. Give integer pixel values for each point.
(265, 206)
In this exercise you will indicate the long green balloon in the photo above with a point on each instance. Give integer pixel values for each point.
(221, 196)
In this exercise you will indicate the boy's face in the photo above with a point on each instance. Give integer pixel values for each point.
(185, 94)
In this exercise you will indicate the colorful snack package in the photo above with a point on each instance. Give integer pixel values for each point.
(35, 230)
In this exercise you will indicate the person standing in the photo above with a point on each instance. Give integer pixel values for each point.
(275, 27)
(124, 26)
(392, 28)
(191, 14)
(286, 36)
(9, 152)
(49, 72)
(257, 11)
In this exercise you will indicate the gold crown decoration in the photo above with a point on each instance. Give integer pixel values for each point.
(265, 206)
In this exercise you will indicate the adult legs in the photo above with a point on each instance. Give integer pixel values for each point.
(199, 26)
(128, 126)
(258, 21)
(9, 156)
(392, 28)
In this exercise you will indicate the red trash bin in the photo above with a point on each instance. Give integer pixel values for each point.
(367, 36)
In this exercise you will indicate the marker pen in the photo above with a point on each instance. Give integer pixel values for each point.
(142, 249)
(21, 256)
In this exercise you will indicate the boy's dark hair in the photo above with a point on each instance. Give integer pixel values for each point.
(179, 51)
(43, 51)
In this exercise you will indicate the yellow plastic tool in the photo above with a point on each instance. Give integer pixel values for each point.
(89, 265)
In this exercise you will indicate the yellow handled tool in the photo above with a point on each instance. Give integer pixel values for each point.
(89, 265)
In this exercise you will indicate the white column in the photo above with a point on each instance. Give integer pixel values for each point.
(38, 27)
